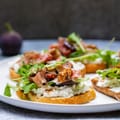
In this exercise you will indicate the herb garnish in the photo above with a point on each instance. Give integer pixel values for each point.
(112, 73)
(73, 38)
(25, 71)
(7, 91)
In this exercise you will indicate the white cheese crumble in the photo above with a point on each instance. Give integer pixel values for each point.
(65, 91)
(102, 83)
(109, 83)
(77, 65)
(115, 89)
(97, 61)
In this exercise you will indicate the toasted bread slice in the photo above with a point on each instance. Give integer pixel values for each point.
(83, 72)
(93, 67)
(78, 99)
(105, 90)
(21, 95)
(13, 75)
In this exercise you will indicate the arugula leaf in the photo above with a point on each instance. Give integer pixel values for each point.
(51, 83)
(76, 39)
(115, 62)
(29, 87)
(24, 70)
(54, 65)
(90, 57)
(106, 55)
(7, 91)
(35, 68)
(112, 73)
(111, 76)
(76, 53)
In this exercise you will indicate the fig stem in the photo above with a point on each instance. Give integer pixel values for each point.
(8, 27)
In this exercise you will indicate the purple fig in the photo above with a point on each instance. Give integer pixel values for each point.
(11, 42)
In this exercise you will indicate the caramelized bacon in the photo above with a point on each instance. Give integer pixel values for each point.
(29, 57)
(34, 57)
(46, 57)
(55, 53)
(50, 75)
(39, 78)
(64, 47)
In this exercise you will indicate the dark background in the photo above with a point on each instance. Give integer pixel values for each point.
(52, 18)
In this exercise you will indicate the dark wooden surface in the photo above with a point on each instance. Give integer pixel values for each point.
(8, 112)
(52, 18)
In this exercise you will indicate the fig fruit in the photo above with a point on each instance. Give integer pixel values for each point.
(10, 41)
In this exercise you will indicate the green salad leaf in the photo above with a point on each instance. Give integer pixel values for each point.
(27, 88)
(76, 53)
(35, 68)
(90, 57)
(55, 64)
(25, 71)
(112, 73)
(51, 83)
(111, 76)
(74, 38)
(115, 62)
(7, 91)
(106, 55)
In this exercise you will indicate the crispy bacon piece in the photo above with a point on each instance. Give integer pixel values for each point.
(46, 57)
(29, 57)
(50, 75)
(55, 53)
(105, 90)
(76, 74)
(34, 57)
(65, 48)
(39, 78)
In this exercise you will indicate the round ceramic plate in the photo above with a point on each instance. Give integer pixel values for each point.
(102, 103)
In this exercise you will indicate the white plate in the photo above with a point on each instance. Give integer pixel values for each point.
(102, 103)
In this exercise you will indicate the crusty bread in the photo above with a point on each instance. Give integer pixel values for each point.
(83, 72)
(93, 67)
(105, 90)
(13, 75)
(78, 99)
(21, 95)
